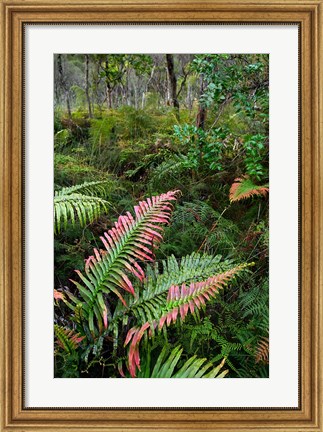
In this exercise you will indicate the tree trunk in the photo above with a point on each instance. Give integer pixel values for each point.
(189, 101)
(172, 81)
(109, 96)
(63, 84)
(87, 92)
(201, 115)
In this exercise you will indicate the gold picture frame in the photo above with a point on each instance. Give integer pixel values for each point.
(308, 15)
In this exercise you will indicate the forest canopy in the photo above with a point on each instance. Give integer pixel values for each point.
(161, 171)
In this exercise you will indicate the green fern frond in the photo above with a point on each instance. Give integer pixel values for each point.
(244, 187)
(255, 302)
(191, 268)
(168, 366)
(172, 166)
(72, 207)
(198, 220)
(95, 188)
(67, 339)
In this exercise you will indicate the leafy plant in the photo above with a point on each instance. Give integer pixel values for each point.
(67, 339)
(168, 366)
(79, 202)
(203, 147)
(255, 151)
(244, 187)
(115, 124)
(115, 288)
(180, 301)
(130, 239)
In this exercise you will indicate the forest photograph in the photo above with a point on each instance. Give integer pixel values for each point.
(161, 215)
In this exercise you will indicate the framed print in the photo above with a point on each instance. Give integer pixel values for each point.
(181, 144)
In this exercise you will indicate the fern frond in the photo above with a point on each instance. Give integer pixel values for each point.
(95, 188)
(131, 239)
(254, 303)
(167, 366)
(67, 339)
(244, 187)
(180, 301)
(171, 167)
(58, 295)
(77, 206)
(262, 350)
(191, 268)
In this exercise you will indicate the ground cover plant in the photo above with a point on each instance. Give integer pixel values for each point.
(161, 216)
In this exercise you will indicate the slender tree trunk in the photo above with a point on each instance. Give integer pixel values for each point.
(172, 82)
(109, 96)
(87, 92)
(97, 84)
(189, 97)
(201, 115)
(136, 96)
(63, 84)
(143, 99)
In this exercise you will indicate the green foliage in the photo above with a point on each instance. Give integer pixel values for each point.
(136, 124)
(128, 240)
(101, 131)
(61, 139)
(241, 79)
(77, 206)
(79, 94)
(169, 171)
(235, 329)
(113, 67)
(68, 340)
(134, 145)
(197, 224)
(195, 267)
(243, 188)
(203, 147)
(79, 202)
(160, 301)
(255, 154)
(71, 170)
(99, 188)
(169, 366)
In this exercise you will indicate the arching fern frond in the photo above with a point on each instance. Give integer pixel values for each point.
(72, 207)
(95, 188)
(132, 239)
(67, 339)
(168, 366)
(191, 268)
(262, 350)
(170, 168)
(254, 305)
(180, 301)
(244, 187)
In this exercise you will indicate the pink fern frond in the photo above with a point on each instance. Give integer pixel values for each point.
(58, 295)
(180, 301)
(130, 241)
(244, 188)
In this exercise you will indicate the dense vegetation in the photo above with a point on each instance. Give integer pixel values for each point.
(161, 215)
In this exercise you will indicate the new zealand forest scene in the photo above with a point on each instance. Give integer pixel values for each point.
(161, 216)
